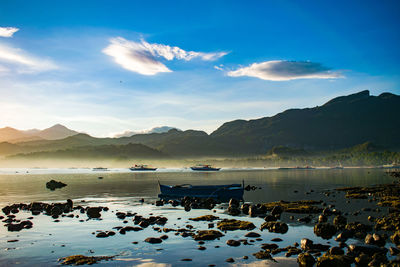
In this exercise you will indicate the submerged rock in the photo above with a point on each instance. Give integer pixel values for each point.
(94, 212)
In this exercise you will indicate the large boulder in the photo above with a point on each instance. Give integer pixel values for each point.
(324, 230)
(275, 227)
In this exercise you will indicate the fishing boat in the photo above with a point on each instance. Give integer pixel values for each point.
(221, 192)
(204, 167)
(142, 167)
(101, 169)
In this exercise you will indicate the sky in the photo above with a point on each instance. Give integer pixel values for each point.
(106, 67)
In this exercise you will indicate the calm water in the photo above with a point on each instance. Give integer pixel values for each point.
(120, 191)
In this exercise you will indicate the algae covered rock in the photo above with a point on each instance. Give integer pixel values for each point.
(396, 238)
(81, 260)
(207, 235)
(333, 261)
(232, 224)
(324, 230)
(275, 227)
(208, 218)
(305, 260)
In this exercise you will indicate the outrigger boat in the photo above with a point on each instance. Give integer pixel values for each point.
(220, 192)
(142, 168)
(204, 167)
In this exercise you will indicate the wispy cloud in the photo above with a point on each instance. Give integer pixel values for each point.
(281, 70)
(144, 58)
(17, 60)
(7, 31)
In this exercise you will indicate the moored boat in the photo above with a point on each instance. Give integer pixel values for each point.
(142, 167)
(221, 192)
(204, 167)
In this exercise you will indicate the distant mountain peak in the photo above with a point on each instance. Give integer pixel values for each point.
(159, 129)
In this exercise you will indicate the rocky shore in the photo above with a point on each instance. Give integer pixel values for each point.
(371, 242)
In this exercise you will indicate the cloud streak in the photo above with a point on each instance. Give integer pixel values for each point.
(8, 31)
(17, 60)
(281, 70)
(145, 58)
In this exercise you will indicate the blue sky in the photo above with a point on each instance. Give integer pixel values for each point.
(104, 67)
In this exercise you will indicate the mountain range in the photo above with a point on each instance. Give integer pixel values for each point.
(341, 123)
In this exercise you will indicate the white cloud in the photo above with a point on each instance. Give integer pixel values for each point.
(280, 70)
(7, 31)
(14, 59)
(143, 57)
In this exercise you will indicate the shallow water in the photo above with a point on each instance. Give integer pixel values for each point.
(121, 190)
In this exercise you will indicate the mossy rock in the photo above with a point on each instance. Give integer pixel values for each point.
(333, 261)
(232, 224)
(275, 227)
(391, 222)
(208, 218)
(81, 260)
(207, 235)
(324, 230)
(301, 206)
(396, 238)
(305, 260)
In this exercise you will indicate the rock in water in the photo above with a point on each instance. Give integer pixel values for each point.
(53, 185)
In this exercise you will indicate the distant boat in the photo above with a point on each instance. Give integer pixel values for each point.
(100, 169)
(305, 168)
(297, 168)
(204, 167)
(221, 192)
(142, 168)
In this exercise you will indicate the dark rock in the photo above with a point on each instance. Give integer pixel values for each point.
(230, 260)
(207, 235)
(53, 185)
(340, 221)
(322, 218)
(306, 244)
(164, 237)
(277, 210)
(366, 249)
(275, 227)
(153, 240)
(233, 243)
(270, 218)
(201, 248)
(305, 260)
(394, 251)
(396, 238)
(277, 239)
(336, 251)
(186, 259)
(270, 246)
(324, 230)
(263, 255)
(102, 234)
(334, 260)
(94, 212)
(252, 234)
